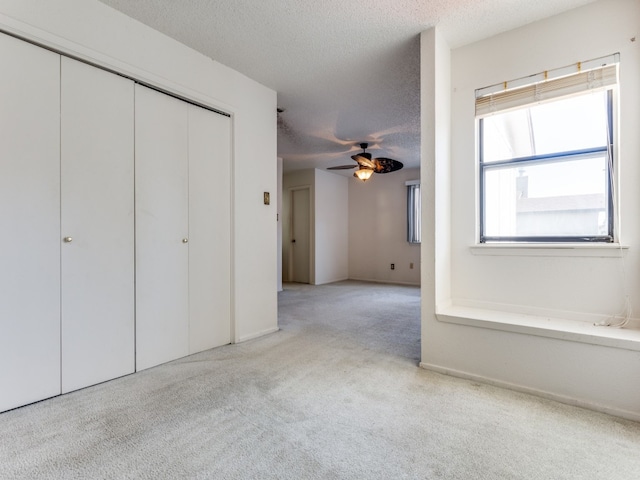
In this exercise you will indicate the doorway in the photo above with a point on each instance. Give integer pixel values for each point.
(300, 235)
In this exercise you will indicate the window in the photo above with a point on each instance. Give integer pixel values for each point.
(546, 159)
(414, 222)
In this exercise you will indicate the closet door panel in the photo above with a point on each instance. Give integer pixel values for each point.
(97, 214)
(30, 223)
(162, 310)
(209, 229)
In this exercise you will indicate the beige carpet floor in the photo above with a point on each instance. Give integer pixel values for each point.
(335, 394)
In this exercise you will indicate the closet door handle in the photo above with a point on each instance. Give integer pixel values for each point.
(67, 239)
(185, 240)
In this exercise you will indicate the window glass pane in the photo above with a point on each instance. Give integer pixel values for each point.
(547, 198)
(569, 124)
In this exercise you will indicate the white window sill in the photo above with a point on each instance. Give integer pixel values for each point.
(627, 338)
(613, 250)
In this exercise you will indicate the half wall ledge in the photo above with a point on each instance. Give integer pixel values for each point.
(627, 338)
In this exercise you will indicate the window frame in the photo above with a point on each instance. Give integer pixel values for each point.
(414, 212)
(607, 149)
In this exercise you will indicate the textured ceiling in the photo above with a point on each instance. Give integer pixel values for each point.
(346, 71)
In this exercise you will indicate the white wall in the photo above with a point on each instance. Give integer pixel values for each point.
(560, 283)
(378, 230)
(90, 30)
(555, 283)
(331, 227)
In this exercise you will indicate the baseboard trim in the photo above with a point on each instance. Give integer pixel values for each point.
(331, 281)
(389, 282)
(251, 336)
(617, 412)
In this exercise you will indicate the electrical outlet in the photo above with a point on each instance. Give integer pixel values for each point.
(393, 266)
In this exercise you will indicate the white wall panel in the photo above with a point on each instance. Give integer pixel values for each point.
(97, 213)
(30, 223)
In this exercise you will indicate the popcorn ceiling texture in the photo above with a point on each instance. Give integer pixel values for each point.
(346, 71)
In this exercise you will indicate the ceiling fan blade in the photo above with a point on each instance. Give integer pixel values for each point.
(364, 159)
(342, 167)
(387, 165)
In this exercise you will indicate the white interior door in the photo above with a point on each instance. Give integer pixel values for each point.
(209, 229)
(161, 177)
(30, 223)
(97, 221)
(300, 235)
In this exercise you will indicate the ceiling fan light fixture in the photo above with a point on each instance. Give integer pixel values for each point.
(367, 166)
(363, 173)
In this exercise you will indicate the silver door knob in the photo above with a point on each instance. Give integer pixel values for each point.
(185, 240)
(67, 239)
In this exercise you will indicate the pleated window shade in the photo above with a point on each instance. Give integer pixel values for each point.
(414, 223)
(489, 101)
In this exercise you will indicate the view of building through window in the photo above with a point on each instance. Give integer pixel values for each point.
(545, 170)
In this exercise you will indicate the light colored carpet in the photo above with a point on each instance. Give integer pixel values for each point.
(336, 394)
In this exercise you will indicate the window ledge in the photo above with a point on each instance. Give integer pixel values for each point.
(627, 338)
(613, 250)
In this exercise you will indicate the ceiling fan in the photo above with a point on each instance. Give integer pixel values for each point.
(367, 166)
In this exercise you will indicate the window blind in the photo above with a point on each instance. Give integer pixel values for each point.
(414, 221)
(495, 101)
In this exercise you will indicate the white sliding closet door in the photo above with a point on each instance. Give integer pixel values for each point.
(30, 223)
(209, 229)
(162, 251)
(97, 222)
